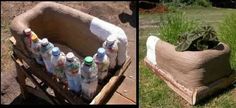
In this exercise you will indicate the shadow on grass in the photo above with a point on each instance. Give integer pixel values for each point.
(217, 94)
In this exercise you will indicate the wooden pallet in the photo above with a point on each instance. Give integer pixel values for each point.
(195, 95)
(28, 68)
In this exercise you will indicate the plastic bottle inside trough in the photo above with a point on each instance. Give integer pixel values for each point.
(58, 61)
(35, 49)
(89, 81)
(27, 39)
(111, 46)
(46, 53)
(102, 61)
(72, 71)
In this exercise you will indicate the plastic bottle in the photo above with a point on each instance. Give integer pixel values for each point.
(58, 60)
(46, 53)
(27, 40)
(89, 80)
(111, 46)
(72, 71)
(35, 49)
(102, 61)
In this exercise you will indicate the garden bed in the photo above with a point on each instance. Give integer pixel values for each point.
(192, 75)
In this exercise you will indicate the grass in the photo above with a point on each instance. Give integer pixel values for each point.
(153, 91)
(174, 24)
(157, 93)
(227, 34)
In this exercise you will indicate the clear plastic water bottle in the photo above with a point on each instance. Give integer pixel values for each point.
(111, 46)
(46, 53)
(102, 61)
(27, 39)
(89, 80)
(72, 71)
(35, 49)
(58, 61)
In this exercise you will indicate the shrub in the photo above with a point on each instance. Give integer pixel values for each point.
(227, 34)
(174, 24)
(183, 3)
(204, 3)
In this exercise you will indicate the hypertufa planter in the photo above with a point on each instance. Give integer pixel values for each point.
(79, 31)
(192, 74)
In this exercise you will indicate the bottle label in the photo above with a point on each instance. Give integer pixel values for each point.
(36, 48)
(88, 80)
(59, 69)
(27, 43)
(89, 73)
(102, 67)
(48, 66)
(73, 69)
(45, 49)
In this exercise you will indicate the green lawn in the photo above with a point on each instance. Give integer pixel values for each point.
(153, 91)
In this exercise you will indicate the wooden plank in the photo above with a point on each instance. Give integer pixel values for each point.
(124, 67)
(192, 96)
(119, 99)
(38, 93)
(175, 86)
(68, 95)
(21, 80)
(204, 91)
(128, 89)
(42, 74)
(12, 40)
(102, 95)
(34, 81)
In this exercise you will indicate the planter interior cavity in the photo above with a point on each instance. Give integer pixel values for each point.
(61, 24)
(192, 74)
(65, 26)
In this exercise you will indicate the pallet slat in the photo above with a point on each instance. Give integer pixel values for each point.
(69, 96)
(99, 99)
(195, 95)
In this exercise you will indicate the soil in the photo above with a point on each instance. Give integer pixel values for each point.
(119, 13)
(155, 9)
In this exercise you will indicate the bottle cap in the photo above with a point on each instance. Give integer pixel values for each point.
(70, 56)
(27, 31)
(88, 60)
(34, 38)
(101, 52)
(56, 51)
(44, 42)
(111, 39)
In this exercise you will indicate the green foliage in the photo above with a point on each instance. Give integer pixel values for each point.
(200, 39)
(174, 24)
(183, 3)
(204, 3)
(227, 33)
(174, 6)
